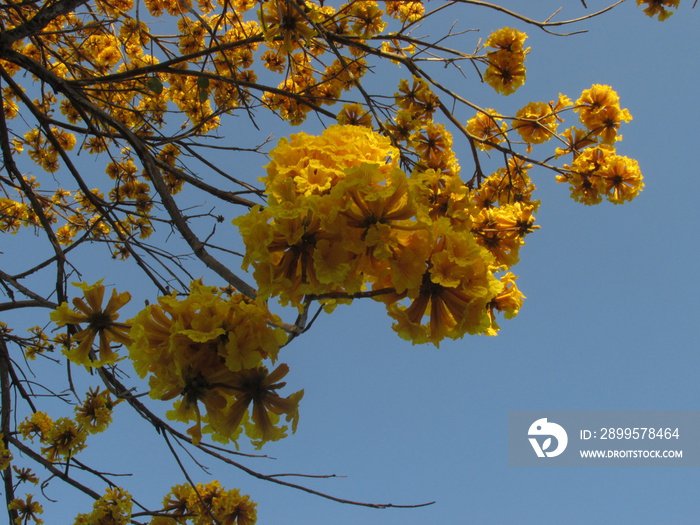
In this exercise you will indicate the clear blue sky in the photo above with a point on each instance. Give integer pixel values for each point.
(609, 323)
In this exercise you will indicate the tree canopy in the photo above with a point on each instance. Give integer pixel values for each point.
(122, 127)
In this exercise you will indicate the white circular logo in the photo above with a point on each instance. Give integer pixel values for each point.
(540, 435)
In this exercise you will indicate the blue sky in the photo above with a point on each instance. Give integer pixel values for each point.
(608, 323)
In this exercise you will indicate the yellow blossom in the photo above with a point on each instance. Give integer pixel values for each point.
(63, 440)
(101, 322)
(599, 110)
(658, 7)
(509, 301)
(195, 347)
(599, 172)
(25, 475)
(38, 424)
(114, 508)
(536, 123)
(95, 413)
(488, 127)
(5, 454)
(506, 71)
(27, 510)
(206, 502)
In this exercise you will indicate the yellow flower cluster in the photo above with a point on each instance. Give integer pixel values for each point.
(488, 127)
(345, 221)
(658, 7)
(596, 170)
(209, 348)
(506, 65)
(599, 110)
(599, 172)
(65, 437)
(406, 11)
(62, 438)
(5, 454)
(94, 414)
(113, 508)
(206, 504)
(537, 122)
(13, 215)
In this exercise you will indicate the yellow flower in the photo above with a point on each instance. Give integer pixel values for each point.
(101, 322)
(623, 179)
(195, 347)
(506, 71)
(501, 230)
(599, 172)
(509, 301)
(375, 208)
(507, 185)
(5, 454)
(38, 424)
(440, 195)
(454, 293)
(64, 439)
(305, 164)
(25, 475)
(575, 140)
(599, 110)
(280, 20)
(367, 18)
(113, 508)
(65, 234)
(658, 7)
(257, 386)
(26, 510)
(508, 39)
(108, 57)
(207, 502)
(13, 214)
(536, 123)
(355, 115)
(606, 123)
(434, 145)
(406, 11)
(95, 414)
(488, 128)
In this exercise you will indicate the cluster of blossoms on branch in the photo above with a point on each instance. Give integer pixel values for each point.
(208, 347)
(344, 221)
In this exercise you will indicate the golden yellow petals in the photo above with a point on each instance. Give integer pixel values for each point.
(599, 172)
(488, 127)
(658, 7)
(101, 324)
(5, 454)
(599, 110)
(196, 349)
(27, 509)
(536, 123)
(506, 70)
(206, 502)
(114, 506)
